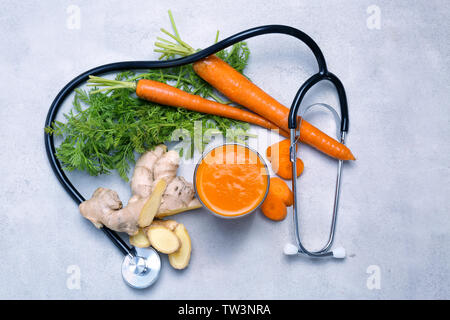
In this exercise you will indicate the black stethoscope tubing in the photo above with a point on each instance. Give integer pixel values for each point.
(321, 75)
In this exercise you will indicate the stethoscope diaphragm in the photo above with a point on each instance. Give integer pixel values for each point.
(141, 270)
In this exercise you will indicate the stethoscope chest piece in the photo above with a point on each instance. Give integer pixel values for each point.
(141, 270)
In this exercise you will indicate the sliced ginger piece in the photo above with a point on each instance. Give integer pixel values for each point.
(140, 239)
(151, 206)
(169, 224)
(180, 259)
(195, 204)
(163, 240)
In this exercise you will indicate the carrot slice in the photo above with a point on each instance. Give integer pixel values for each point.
(279, 156)
(278, 199)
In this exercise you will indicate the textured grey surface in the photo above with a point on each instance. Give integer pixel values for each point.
(394, 207)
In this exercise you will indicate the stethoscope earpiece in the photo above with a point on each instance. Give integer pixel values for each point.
(339, 253)
(292, 250)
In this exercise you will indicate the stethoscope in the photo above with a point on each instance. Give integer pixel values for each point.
(141, 266)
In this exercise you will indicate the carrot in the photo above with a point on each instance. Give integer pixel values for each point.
(279, 156)
(165, 94)
(239, 89)
(278, 199)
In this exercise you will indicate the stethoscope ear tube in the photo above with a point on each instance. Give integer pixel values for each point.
(313, 80)
(290, 249)
(294, 128)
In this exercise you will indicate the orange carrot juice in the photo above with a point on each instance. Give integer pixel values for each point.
(231, 180)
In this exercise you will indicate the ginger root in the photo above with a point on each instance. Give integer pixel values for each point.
(163, 239)
(164, 242)
(180, 259)
(169, 224)
(179, 197)
(140, 239)
(151, 206)
(106, 209)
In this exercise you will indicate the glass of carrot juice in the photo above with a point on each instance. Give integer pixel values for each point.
(231, 180)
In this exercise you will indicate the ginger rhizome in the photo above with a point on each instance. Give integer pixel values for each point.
(156, 192)
(166, 236)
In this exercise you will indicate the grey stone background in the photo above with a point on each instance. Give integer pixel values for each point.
(394, 206)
